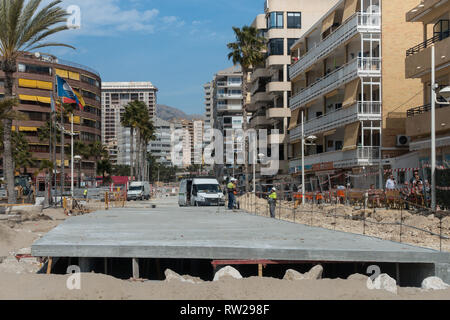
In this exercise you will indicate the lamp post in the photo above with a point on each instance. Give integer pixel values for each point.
(310, 140)
(446, 94)
(78, 159)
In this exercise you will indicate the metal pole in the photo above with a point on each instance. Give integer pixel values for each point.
(71, 164)
(62, 153)
(303, 160)
(433, 129)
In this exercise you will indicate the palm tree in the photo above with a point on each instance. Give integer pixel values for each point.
(247, 51)
(146, 130)
(21, 153)
(104, 167)
(23, 27)
(97, 151)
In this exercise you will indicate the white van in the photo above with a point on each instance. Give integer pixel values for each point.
(201, 192)
(138, 191)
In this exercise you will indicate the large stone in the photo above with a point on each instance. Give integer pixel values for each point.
(227, 272)
(358, 277)
(293, 275)
(173, 276)
(434, 283)
(315, 273)
(383, 282)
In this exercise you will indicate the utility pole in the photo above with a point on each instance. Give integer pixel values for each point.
(433, 128)
(303, 160)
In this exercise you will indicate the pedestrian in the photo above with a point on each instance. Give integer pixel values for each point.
(230, 190)
(273, 202)
(391, 183)
(85, 193)
(406, 194)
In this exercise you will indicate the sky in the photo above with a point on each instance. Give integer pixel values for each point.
(178, 45)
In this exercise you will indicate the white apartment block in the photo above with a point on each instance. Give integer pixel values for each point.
(282, 24)
(161, 147)
(115, 97)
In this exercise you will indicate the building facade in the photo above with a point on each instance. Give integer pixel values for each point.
(348, 82)
(433, 18)
(282, 24)
(35, 85)
(161, 147)
(115, 97)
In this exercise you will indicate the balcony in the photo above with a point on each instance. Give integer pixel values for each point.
(229, 96)
(361, 156)
(359, 23)
(278, 60)
(258, 99)
(228, 107)
(358, 112)
(274, 113)
(418, 58)
(260, 73)
(418, 121)
(259, 121)
(360, 67)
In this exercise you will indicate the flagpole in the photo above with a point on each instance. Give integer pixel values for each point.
(71, 147)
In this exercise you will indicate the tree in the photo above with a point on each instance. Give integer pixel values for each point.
(47, 166)
(104, 167)
(22, 156)
(23, 27)
(247, 51)
(97, 151)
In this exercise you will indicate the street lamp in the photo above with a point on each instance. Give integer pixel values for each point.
(255, 161)
(446, 94)
(310, 140)
(78, 160)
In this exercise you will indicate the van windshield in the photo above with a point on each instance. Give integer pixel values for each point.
(208, 188)
(135, 188)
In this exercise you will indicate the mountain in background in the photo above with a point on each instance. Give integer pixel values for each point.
(169, 113)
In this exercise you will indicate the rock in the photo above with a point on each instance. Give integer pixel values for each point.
(358, 277)
(173, 276)
(227, 272)
(313, 274)
(431, 217)
(383, 282)
(434, 283)
(293, 275)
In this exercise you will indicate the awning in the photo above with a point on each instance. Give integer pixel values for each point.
(311, 103)
(74, 75)
(351, 136)
(47, 100)
(25, 97)
(45, 85)
(62, 73)
(26, 83)
(66, 163)
(351, 93)
(351, 6)
(332, 94)
(76, 119)
(294, 119)
(328, 22)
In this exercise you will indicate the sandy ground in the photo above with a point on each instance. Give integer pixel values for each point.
(323, 216)
(19, 280)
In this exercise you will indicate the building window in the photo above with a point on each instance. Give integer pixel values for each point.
(276, 47)
(294, 20)
(31, 68)
(275, 20)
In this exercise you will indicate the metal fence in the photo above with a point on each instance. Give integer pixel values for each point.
(329, 210)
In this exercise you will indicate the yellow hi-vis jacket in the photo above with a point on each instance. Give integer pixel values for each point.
(230, 186)
(273, 196)
(85, 192)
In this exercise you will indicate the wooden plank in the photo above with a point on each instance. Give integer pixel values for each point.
(135, 268)
(260, 270)
(49, 265)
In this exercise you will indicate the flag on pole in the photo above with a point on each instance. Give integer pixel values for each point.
(80, 99)
(67, 94)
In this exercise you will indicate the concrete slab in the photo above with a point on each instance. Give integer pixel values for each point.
(203, 233)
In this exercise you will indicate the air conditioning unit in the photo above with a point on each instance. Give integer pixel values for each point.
(403, 141)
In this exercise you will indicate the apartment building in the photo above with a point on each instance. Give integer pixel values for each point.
(161, 147)
(348, 81)
(115, 97)
(209, 116)
(433, 18)
(282, 24)
(35, 86)
(192, 141)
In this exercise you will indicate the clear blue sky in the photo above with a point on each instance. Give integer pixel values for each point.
(176, 44)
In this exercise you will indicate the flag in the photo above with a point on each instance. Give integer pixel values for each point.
(80, 99)
(66, 93)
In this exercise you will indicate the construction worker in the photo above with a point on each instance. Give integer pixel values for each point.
(85, 193)
(273, 202)
(231, 188)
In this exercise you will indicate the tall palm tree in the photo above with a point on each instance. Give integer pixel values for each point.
(147, 134)
(21, 153)
(247, 52)
(23, 27)
(98, 151)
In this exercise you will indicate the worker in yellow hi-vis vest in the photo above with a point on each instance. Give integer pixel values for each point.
(273, 202)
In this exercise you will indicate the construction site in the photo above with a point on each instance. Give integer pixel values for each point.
(124, 249)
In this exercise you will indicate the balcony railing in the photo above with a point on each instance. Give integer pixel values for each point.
(358, 23)
(358, 112)
(229, 96)
(337, 78)
(342, 159)
(422, 46)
